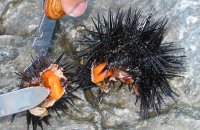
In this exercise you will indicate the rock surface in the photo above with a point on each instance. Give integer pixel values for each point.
(19, 21)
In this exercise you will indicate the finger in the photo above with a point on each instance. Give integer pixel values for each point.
(74, 7)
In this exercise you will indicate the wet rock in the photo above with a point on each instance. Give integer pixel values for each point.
(7, 54)
(4, 5)
(18, 24)
(182, 117)
(22, 18)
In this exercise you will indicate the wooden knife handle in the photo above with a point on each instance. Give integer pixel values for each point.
(53, 9)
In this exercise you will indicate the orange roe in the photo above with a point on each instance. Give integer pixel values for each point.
(96, 74)
(53, 82)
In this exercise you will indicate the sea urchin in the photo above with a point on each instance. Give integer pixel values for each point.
(126, 48)
(53, 75)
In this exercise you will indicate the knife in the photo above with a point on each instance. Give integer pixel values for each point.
(47, 28)
(27, 98)
(22, 99)
(42, 43)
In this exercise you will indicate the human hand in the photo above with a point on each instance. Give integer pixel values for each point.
(74, 8)
(56, 9)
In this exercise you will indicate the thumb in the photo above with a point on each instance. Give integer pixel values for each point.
(74, 8)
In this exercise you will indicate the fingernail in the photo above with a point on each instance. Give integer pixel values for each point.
(79, 9)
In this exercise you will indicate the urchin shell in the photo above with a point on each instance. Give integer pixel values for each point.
(126, 40)
(38, 65)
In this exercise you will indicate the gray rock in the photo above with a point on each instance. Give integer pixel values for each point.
(21, 18)
(19, 21)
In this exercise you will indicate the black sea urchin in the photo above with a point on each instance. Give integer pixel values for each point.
(33, 77)
(129, 49)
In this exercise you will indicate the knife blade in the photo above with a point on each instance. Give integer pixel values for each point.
(42, 43)
(22, 99)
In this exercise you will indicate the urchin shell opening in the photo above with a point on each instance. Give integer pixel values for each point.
(32, 77)
(125, 40)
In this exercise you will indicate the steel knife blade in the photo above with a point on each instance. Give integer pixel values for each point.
(22, 99)
(42, 43)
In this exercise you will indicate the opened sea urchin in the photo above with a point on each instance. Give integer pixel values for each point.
(53, 75)
(126, 48)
